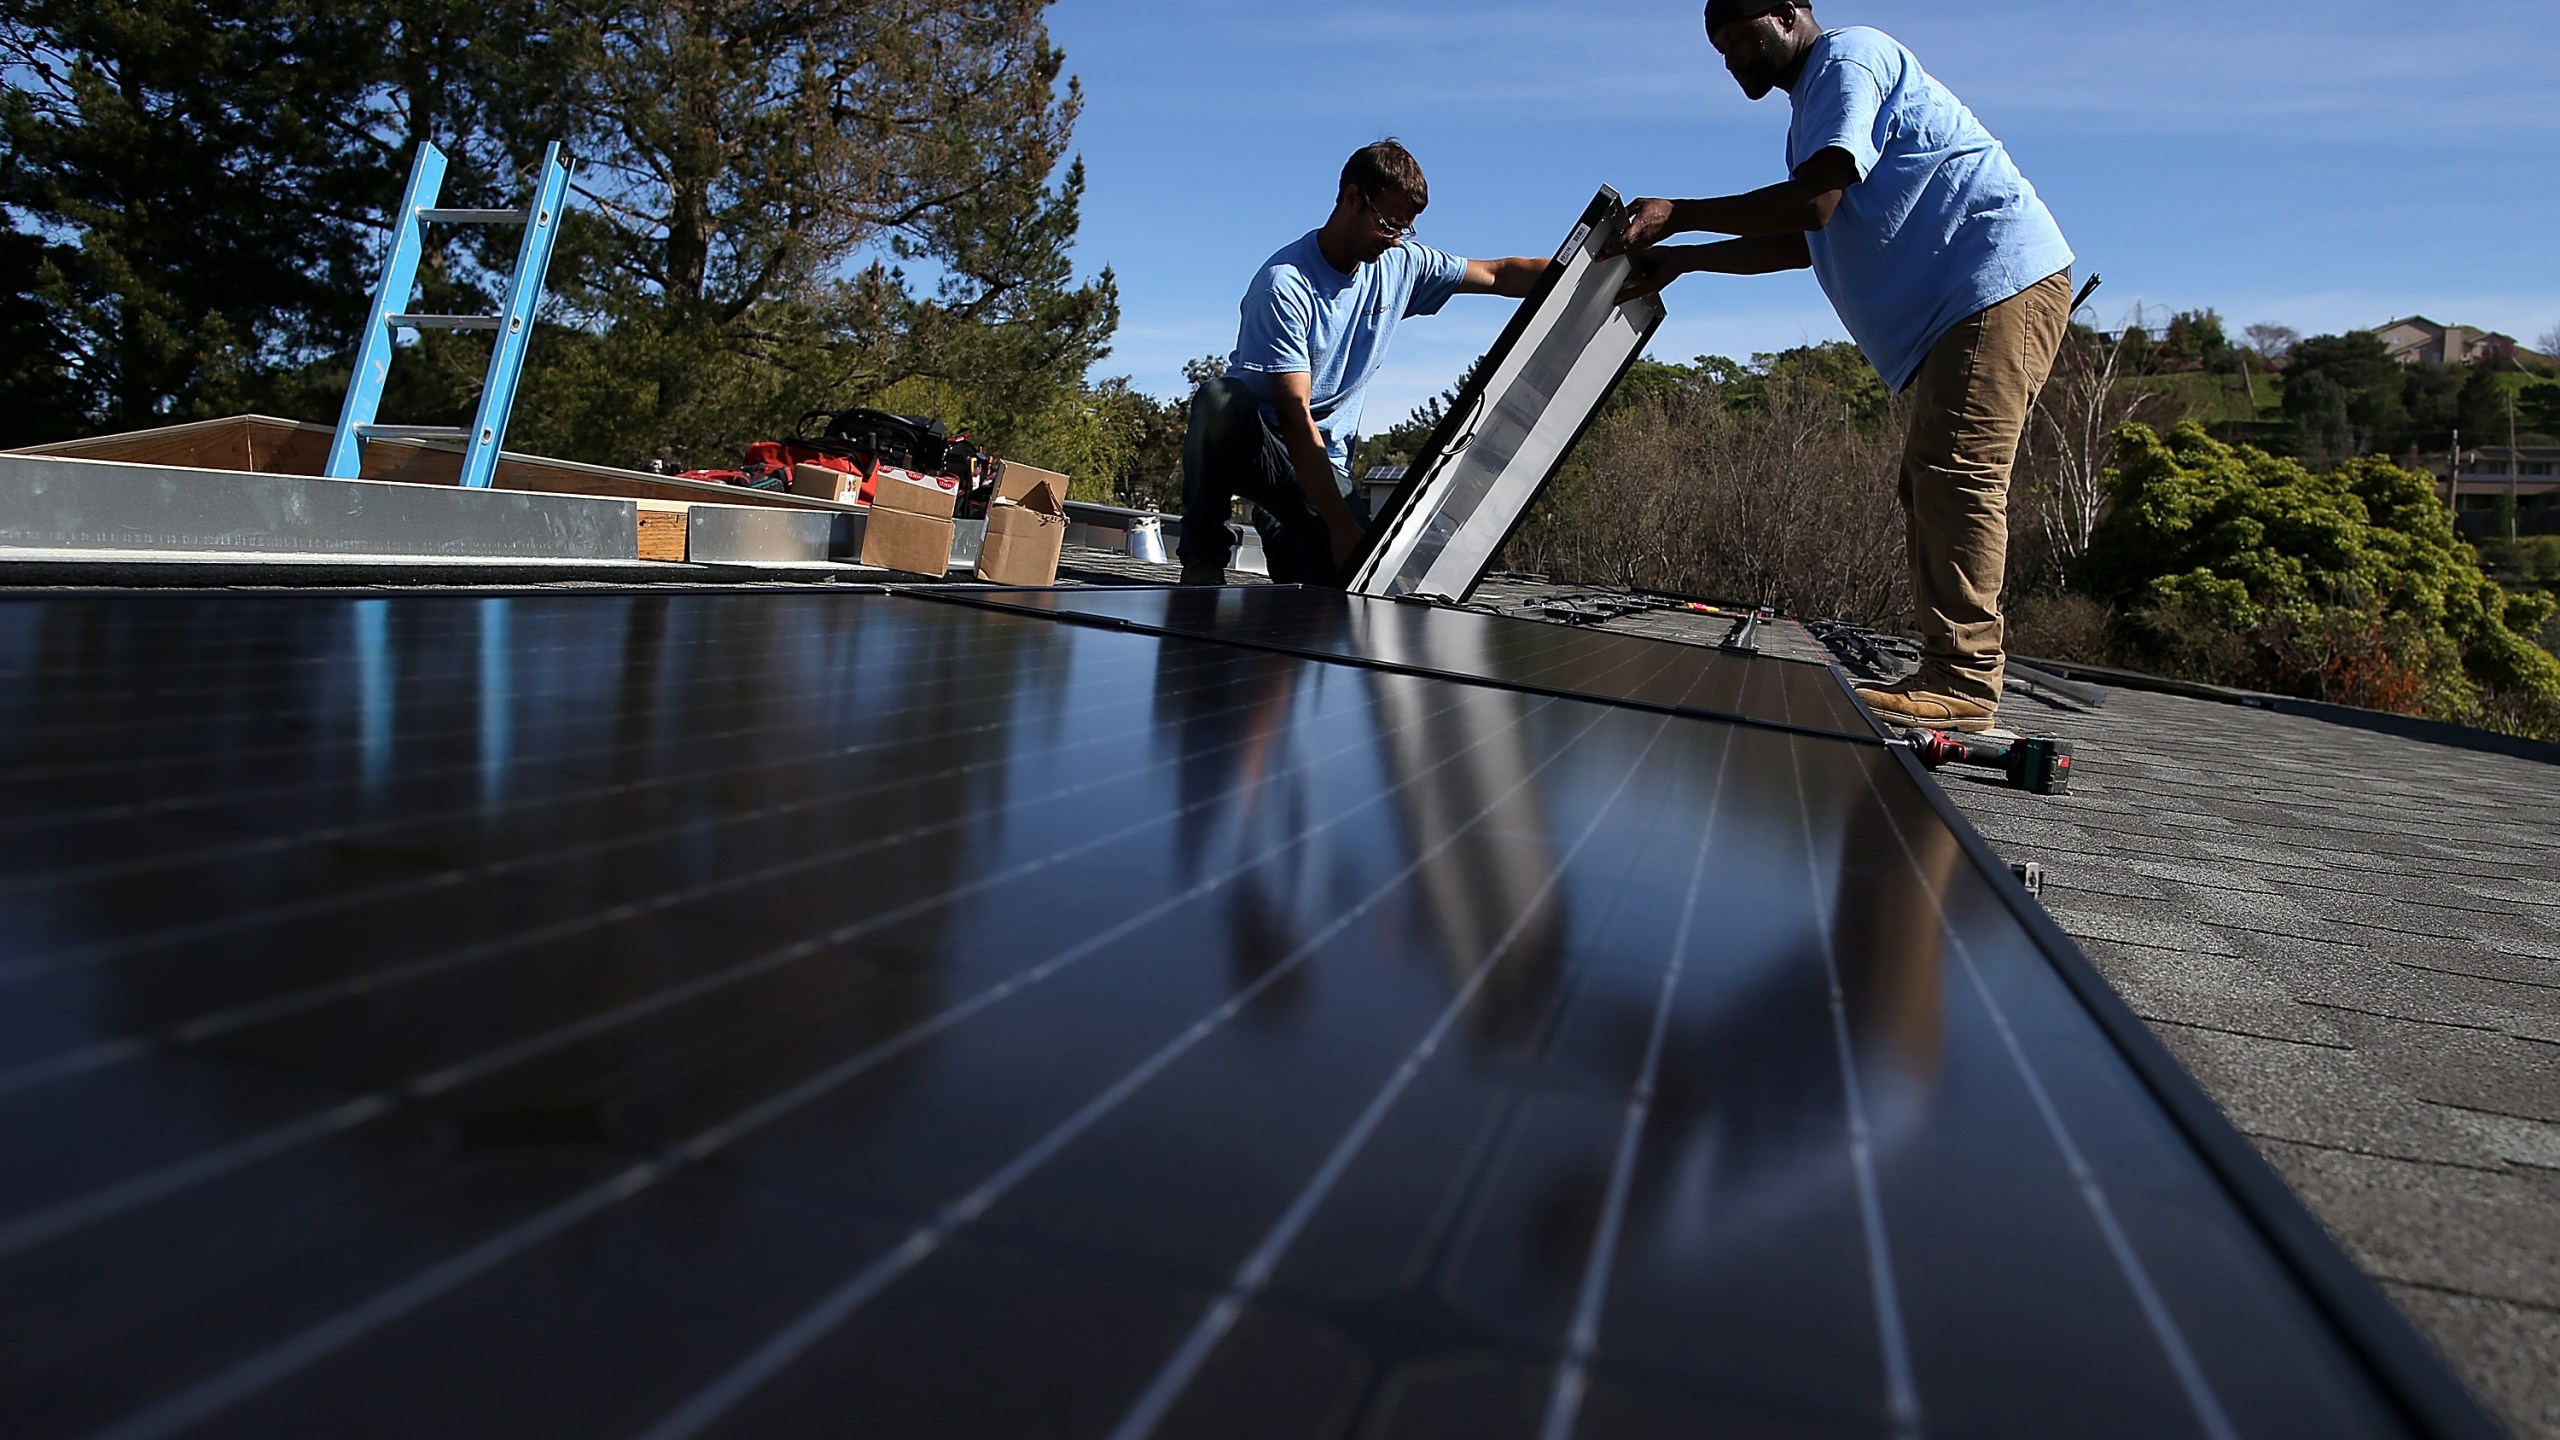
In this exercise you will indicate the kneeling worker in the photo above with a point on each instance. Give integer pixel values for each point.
(1277, 427)
(1947, 270)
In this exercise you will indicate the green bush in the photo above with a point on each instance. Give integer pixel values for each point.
(2533, 559)
(2238, 567)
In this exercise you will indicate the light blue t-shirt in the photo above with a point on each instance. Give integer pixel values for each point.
(1302, 315)
(1941, 225)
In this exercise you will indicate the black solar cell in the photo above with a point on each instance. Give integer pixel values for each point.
(759, 1014)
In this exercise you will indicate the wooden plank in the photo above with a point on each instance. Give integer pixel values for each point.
(285, 447)
(223, 444)
(663, 526)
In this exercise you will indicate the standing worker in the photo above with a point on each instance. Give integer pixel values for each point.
(1277, 427)
(1946, 269)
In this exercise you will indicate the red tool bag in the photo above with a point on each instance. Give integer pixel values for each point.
(859, 442)
(767, 465)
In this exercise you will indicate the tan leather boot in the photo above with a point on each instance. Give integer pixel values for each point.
(1928, 709)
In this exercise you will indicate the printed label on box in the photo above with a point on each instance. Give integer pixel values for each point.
(934, 495)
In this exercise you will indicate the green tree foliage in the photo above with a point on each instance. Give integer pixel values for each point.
(1771, 482)
(812, 205)
(779, 209)
(2538, 410)
(39, 397)
(2196, 341)
(2347, 585)
(2480, 407)
(2344, 395)
(191, 192)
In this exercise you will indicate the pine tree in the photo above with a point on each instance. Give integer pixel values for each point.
(756, 181)
(185, 167)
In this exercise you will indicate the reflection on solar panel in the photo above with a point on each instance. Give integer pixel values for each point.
(1465, 645)
(1527, 402)
(755, 1014)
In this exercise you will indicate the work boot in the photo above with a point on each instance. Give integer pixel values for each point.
(1203, 575)
(1910, 706)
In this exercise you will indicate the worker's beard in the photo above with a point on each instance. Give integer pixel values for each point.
(1774, 52)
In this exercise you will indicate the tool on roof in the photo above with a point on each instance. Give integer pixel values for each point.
(2039, 767)
(2038, 681)
(1867, 652)
(1744, 637)
(513, 324)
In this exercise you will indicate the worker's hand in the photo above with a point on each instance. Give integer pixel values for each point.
(1645, 223)
(1647, 274)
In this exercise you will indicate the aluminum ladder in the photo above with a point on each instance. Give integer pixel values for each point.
(387, 317)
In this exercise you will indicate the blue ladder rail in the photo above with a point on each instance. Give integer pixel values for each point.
(388, 315)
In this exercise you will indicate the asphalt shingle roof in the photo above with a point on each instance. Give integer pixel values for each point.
(2351, 940)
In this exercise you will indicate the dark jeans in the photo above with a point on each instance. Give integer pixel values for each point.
(1231, 450)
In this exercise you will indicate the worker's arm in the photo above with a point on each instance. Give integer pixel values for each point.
(1798, 205)
(1289, 396)
(1516, 276)
(1757, 255)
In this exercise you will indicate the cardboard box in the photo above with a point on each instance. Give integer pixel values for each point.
(903, 540)
(824, 482)
(1015, 480)
(933, 496)
(1024, 537)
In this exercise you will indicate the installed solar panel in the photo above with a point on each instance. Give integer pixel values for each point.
(763, 1015)
(1467, 645)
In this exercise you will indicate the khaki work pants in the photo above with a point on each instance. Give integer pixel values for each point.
(1971, 401)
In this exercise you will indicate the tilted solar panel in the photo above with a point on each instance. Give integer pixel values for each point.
(1518, 414)
(762, 1014)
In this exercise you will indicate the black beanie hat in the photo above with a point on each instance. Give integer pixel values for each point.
(1721, 13)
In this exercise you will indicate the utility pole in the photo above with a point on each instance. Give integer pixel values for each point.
(2512, 454)
(2453, 481)
(2511, 465)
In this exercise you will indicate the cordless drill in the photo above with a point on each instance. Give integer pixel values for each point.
(2039, 767)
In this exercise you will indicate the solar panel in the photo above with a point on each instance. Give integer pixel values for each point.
(1467, 645)
(1518, 413)
(758, 1014)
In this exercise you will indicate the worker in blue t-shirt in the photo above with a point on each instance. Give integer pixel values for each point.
(1277, 427)
(1947, 270)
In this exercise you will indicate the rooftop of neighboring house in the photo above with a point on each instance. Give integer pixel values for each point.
(2417, 339)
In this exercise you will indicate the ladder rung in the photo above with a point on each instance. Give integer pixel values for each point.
(413, 432)
(475, 217)
(442, 322)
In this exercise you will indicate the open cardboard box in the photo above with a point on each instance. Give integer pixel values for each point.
(1025, 533)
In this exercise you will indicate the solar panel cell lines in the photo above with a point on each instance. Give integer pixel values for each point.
(674, 1015)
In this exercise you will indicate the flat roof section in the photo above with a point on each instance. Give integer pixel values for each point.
(680, 1014)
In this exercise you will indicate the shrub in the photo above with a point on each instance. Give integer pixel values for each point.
(1770, 486)
(2062, 625)
(2237, 567)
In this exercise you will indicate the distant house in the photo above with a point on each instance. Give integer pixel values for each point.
(1380, 482)
(2421, 341)
(2484, 483)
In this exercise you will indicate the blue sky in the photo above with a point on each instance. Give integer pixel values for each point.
(2321, 165)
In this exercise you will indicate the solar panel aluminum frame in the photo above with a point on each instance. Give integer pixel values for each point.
(1528, 403)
